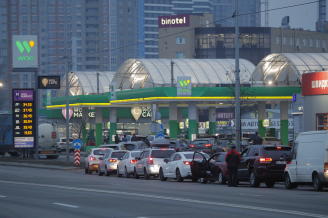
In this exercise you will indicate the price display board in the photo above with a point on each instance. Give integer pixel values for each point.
(24, 118)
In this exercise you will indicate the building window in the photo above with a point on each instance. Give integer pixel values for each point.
(179, 55)
(180, 41)
(278, 40)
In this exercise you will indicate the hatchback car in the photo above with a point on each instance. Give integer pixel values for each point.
(93, 159)
(263, 163)
(108, 164)
(150, 161)
(126, 165)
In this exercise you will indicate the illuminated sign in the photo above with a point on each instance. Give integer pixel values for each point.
(49, 82)
(23, 118)
(77, 112)
(138, 112)
(184, 86)
(315, 83)
(173, 21)
(25, 51)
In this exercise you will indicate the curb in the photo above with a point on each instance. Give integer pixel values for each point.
(39, 166)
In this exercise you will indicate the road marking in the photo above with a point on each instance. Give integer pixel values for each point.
(2, 196)
(66, 205)
(240, 206)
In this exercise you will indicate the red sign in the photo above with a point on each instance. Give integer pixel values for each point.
(173, 21)
(315, 83)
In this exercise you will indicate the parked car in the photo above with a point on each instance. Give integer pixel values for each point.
(219, 161)
(207, 145)
(177, 166)
(131, 146)
(126, 165)
(150, 161)
(204, 168)
(108, 163)
(93, 158)
(263, 163)
(309, 164)
(179, 144)
(61, 144)
(113, 146)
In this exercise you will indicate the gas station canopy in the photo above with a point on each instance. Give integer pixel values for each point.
(286, 69)
(150, 73)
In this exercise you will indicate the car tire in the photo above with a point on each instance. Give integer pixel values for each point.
(178, 175)
(254, 180)
(146, 175)
(269, 184)
(118, 173)
(135, 174)
(126, 174)
(221, 178)
(106, 171)
(317, 184)
(161, 175)
(288, 183)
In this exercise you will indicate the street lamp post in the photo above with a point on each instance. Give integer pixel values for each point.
(67, 115)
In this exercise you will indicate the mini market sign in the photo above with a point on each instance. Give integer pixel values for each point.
(25, 51)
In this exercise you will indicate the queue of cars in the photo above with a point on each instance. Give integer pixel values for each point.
(266, 164)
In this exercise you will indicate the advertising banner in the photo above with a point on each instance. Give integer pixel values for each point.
(315, 83)
(49, 82)
(173, 21)
(23, 118)
(25, 51)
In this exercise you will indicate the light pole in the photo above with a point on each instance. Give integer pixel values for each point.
(237, 78)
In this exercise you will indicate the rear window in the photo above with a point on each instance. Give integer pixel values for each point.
(200, 142)
(129, 147)
(135, 154)
(113, 147)
(118, 154)
(277, 152)
(100, 152)
(197, 156)
(162, 153)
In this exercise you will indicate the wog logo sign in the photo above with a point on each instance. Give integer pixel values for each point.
(25, 47)
(184, 83)
(25, 51)
(184, 86)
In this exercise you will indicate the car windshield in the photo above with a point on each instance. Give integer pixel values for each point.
(135, 154)
(118, 154)
(113, 147)
(162, 153)
(277, 152)
(129, 147)
(197, 156)
(100, 152)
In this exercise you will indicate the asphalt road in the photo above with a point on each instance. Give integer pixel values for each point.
(29, 192)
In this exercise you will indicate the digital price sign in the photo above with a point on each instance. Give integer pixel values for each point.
(24, 118)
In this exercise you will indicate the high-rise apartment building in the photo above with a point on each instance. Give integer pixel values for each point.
(322, 22)
(224, 9)
(72, 34)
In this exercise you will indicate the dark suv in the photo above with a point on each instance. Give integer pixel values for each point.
(263, 163)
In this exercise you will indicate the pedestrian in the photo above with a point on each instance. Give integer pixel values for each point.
(125, 139)
(257, 140)
(117, 139)
(232, 159)
(134, 138)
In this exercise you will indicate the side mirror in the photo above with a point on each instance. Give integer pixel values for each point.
(166, 160)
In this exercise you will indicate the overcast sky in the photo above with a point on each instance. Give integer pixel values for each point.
(300, 17)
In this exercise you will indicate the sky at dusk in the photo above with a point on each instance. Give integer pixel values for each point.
(300, 17)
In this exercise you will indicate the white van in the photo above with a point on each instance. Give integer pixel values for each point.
(309, 164)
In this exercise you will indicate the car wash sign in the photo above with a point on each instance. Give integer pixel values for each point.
(25, 51)
(315, 83)
(184, 86)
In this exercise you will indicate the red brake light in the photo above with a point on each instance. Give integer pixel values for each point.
(265, 159)
(208, 145)
(91, 158)
(278, 147)
(150, 161)
(326, 167)
(133, 161)
(112, 160)
(187, 162)
(192, 145)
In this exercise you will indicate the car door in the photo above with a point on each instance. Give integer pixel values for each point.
(243, 166)
(139, 162)
(169, 165)
(292, 166)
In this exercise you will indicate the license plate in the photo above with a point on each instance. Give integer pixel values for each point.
(280, 162)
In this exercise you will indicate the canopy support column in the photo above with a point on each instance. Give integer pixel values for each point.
(99, 127)
(212, 120)
(261, 117)
(113, 124)
(173, 121)
(284, 122)
(193, 121)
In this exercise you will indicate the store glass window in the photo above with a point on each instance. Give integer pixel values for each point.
(322, 121)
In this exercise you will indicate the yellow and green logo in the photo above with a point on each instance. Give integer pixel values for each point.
(25, 47)
(184, 83)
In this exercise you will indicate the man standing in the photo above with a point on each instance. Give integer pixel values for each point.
(232, 159)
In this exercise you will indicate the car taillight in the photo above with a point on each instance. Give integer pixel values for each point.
(265, 159)
(133, 161)
(112, 160)
(279, 147)
(92, 158)
(150, 161)
(187, 162)
(192, 146)
(208, 145)
(326, 167)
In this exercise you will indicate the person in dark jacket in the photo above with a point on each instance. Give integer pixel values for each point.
(134, 138)
(117, 139)
(232, 159)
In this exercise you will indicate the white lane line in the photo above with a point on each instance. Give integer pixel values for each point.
(66, 205)
(222, 204)
(2, 196)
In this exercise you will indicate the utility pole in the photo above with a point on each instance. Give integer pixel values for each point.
(67, 114)
(237, 78)
(172, 74)
(98, 83)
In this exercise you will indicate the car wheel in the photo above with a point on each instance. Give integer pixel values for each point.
(106, 171)
(254, 180)
(126, 174)
(135, 174)
(118, 173)
(86, 171)
(178, 175)
(269, 184)
(161, 175)
(146, 175)
(221, 178)
(317, 184)
(288, 183)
